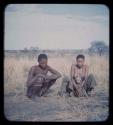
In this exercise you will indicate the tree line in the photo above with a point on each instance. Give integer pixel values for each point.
(96, 47)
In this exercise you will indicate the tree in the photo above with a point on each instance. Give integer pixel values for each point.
(25, 50)
(98, 47)
(34, 49)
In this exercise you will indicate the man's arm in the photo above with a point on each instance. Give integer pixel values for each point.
(31, 78)
(55, 74)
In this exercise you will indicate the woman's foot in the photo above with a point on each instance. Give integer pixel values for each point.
(91, 93)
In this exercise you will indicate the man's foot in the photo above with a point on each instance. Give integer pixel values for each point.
(45, 94)
(91, 93)
(29, 96)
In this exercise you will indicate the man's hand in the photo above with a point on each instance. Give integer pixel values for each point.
(47, 78)
(41, 75)
(37, 80)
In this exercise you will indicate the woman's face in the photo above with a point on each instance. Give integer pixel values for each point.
(80, 62)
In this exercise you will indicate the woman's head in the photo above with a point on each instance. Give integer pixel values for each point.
(80, 60)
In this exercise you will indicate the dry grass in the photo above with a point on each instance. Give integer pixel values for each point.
(15, 75)
(16, 70)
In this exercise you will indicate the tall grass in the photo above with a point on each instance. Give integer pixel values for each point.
(16, 70)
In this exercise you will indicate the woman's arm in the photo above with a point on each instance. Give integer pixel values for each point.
(72, 74)
(85, 75)
(73, 79)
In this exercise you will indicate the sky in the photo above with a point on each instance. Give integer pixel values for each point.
(55, 26)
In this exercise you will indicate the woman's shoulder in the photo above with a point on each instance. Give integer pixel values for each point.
(34, 67)
(73, 66)
(85, 66)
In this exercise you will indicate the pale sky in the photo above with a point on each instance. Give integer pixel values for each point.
(55, 26)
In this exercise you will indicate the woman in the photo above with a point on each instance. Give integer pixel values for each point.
(80, 83)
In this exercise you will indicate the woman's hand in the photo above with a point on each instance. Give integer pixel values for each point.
(78, 86)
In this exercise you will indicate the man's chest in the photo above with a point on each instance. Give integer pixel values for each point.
(40, 71)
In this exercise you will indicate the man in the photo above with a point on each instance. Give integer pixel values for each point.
(80, 83)
(38, 81)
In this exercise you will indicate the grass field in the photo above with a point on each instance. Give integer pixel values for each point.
(53, 107)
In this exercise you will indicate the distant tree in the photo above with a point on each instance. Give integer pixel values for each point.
(98, 47)
(34, 49)
(25, 50)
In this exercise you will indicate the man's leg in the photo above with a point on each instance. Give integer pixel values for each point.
(90, 83)
(46, 87)
(33, 91)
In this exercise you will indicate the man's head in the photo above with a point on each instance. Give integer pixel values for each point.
(80, 60)
(42, 60)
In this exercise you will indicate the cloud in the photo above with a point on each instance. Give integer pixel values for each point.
(97, 18)
(25, 8)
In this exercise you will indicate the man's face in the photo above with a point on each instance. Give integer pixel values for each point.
(80, 62)
(43, 63)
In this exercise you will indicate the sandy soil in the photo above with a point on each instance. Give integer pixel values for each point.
(18, 107)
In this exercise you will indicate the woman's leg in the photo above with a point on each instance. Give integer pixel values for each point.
(46, 87)
(90, 83)
(65, 86)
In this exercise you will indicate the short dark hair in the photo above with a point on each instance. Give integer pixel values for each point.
(80, 56)
(42, 56)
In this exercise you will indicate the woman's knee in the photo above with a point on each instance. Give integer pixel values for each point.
(65, 79)
(91, 75)
(92, 78)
